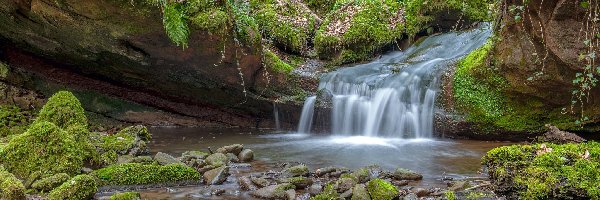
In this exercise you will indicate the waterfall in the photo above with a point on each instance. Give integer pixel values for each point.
(393, 96)
(276, 117)
(306, 119)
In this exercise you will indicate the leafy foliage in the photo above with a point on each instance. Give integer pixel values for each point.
(175, 23)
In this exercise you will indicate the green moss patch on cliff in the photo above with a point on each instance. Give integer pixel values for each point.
(546, 171)
(13, 120)
(482, 93)
(140, 174)
(272, 61)
(290, 24)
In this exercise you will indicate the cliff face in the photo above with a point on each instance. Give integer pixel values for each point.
(529, 74)
(120, 49)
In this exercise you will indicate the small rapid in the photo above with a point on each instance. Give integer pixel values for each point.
(393, 96)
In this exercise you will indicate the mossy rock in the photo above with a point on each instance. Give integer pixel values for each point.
(64, 110)
(217, 160)
(126, 196)
(47, 148)
(130, 140)
(49, 183)
(290, 24)
(108, 158)
(77, 188)
(328, 193)
(381, 190)
(273, 62)
(142, 174)
(546, 171)
(298, 170)
(10, 187)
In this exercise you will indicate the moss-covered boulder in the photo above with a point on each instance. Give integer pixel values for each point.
(328, 193)
(126, 196)
(131, 140)
(77, 188)
(273, 191)
(49, 183)
(10, 187)
(47, 148)
(290, 24)
(142, 174)
(297, 170)
(217, 160)
(546, 171)
(64, 110)
(382, 190)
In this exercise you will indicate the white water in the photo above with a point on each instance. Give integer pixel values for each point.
(306, 119)
(393, 96)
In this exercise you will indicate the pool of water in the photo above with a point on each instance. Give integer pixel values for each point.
(434, 158)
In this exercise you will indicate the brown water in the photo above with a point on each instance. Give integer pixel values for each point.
(434, 158)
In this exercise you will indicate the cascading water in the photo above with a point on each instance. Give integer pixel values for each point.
(393, 96)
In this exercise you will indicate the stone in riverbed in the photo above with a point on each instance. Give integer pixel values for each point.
(260, 182)
(299, 182)
(234, 149)
(290, 194)
(246, 155)
(344, 184)
(217, 159)
(194, 154)
(216, 176)
(420, 192)
(232, 158)
(246, 183)
(315, 189)
(410, 196)
(347, 194)
(273, 191)
(298, 170)
(405, 174)
(165, 159)
(359, 192)
(381, 190)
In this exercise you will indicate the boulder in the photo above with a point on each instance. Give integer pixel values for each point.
(405, 174)
(51, 182)
(246, 183)
(79, 187)
(381, 190)
(216, 176)
(246, 155)
(194, 154)
(359, 192)
(554, 135)
(273, 191)
(344, 184)
(234, 149)
(217, 159)
(299, 182)
(232, 158)
(261, 182)
(165, 159)
(298, 170)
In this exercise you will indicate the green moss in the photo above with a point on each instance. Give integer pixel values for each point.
(418, 13)
(51, 182)
(47, 148)
(64, 110)
(328, 193)
(272, 61)
(117, 142)
(79, 187)
(175, 23)
(12, 120)
(321, 7)
(381, 190)
(214, 20)
(126, 196)
(108, 158)
(298, 170)
(10, 187)
(4, 69)
(553, 172)
(450, 195)
(287, 23)
(140, 174)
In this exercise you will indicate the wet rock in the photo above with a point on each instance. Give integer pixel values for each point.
(246, 183)
(410, 196)
(554, 135)
(331, 171)
(315, 189)
(381, 190)
(273, 191)
(420, 192)
(194, 154)
(405, 174)
(457, 185)
(216, 176)
(217, 192)
(290, 194)
(325, 170)
(165, 159)
(400, 183)
(246, 155)
(347, 194)
(362, 175)
(232, 158)
(260, 182)
(234, 149)
(217, 159)
(298, 170)
(359, 192)
(206, 168)
(344, 184)
(299, 182)
(240, 165)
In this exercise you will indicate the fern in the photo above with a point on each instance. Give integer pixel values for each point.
(175, 23)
